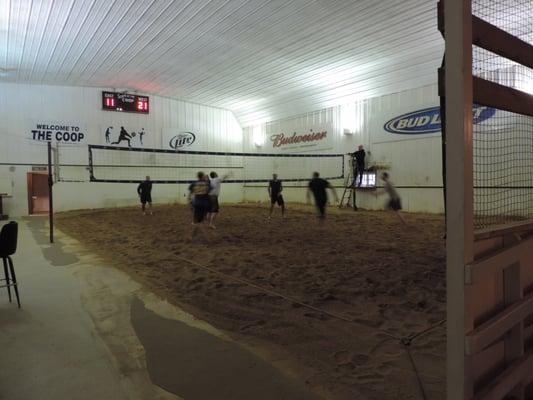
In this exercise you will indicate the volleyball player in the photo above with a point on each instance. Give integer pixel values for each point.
(214, 192)
(199, 197)
(144, 190)
(394, 203)
(275, 187)
(317, 186)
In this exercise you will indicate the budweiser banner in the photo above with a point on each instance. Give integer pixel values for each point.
(300, 140)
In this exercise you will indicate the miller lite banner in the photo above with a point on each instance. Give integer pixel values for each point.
(296, 140)
(196, 138)
(180, 139)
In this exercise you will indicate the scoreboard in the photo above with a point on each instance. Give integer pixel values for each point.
(113, 101)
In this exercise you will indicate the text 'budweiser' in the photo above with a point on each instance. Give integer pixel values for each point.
(280, 139)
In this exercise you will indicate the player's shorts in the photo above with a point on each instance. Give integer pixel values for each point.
(146, 198)
(213, 204)
(394, 204)
(320, 203)
(277, 199)
(200, 208)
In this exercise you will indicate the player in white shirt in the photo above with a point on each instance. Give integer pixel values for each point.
(394, 203)
(214, 191)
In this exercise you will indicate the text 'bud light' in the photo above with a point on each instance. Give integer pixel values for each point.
(428, 120)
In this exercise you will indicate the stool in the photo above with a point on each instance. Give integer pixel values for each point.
(8, 247)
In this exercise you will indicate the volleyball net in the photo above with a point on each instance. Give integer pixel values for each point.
(503, 142)
(69, 163)
(128, 165)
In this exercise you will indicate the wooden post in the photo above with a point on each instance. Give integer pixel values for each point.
(50, 194)
(459, 188)
(513, 292)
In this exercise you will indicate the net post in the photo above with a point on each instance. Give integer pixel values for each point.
(459, 188)
(50, 194)
(55, 162)
(91, 172)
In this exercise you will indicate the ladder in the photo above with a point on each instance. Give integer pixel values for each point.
(349, 192)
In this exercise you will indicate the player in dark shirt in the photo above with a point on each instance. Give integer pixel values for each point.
(275, 187)
(199, 197)
(144, 190)
(318, 186)
(358, 165)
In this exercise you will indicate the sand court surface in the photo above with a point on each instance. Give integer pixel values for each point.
(326, 302)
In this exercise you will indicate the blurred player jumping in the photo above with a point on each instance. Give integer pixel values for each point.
(144, 190)
(275, 187)
(394, 203)
(199, 198)
(317, 186)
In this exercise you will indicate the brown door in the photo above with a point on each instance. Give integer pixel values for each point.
(37, 193)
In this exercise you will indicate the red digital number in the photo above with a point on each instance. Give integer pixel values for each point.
(142, 105)
(110, 102)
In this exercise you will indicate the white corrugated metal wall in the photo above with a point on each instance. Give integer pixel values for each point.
(24, 105)
(414, 160)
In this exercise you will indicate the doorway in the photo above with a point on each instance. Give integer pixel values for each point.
(38, 193)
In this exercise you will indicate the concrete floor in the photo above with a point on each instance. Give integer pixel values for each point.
(87, 331)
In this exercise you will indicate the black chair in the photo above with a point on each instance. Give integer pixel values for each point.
(8, 247)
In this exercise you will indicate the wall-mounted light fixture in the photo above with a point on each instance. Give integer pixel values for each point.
(352, 118)
(257, 136)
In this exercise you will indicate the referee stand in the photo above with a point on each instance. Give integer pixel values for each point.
(349, 193)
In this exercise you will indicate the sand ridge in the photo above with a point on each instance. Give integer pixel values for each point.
(363, 265)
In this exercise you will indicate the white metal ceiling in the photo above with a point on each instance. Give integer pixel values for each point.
(262, 59)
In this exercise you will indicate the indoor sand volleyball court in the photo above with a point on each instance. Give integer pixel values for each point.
(230, 200)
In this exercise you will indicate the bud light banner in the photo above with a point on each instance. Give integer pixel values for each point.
(428, 121)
